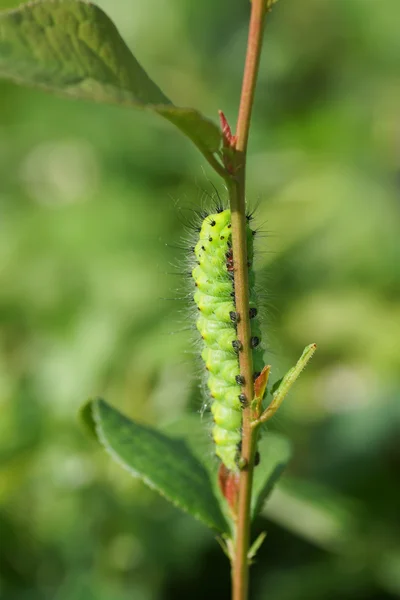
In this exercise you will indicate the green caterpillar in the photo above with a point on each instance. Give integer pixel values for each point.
(214, 279)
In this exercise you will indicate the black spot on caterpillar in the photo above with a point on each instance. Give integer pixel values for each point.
(214, 277)
(237, 345)
(254, 341)
(243, 399)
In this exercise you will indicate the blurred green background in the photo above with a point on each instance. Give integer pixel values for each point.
(89, 198)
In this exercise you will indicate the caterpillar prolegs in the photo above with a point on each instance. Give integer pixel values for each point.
(215, 282)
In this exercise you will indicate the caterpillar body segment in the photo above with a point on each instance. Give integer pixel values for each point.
(215, 298)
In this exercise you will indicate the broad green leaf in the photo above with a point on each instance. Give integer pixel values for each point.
(195, 431)
(275, 452)
(72, 48)
(163, 463)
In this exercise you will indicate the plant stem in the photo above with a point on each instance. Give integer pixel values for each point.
(216, 165)
(254, 45)
(236, 187)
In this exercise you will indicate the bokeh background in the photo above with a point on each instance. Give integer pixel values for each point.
(90, 196)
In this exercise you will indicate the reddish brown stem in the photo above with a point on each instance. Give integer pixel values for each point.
(240, 563)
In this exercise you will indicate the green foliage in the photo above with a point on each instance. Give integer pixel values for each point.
(72, 48)
(163, 463)
(85, 215)
(86, 419)
(275, 451)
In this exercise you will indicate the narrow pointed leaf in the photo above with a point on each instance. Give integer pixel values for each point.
(275, 452)
(163, 463)
(280, 391)
(256, 545)
(72, 48)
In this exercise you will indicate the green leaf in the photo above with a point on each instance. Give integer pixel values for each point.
(163, 463)
(72, 48)
(275, 452)
(85, 416)
(195, 431)
(276, 385)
